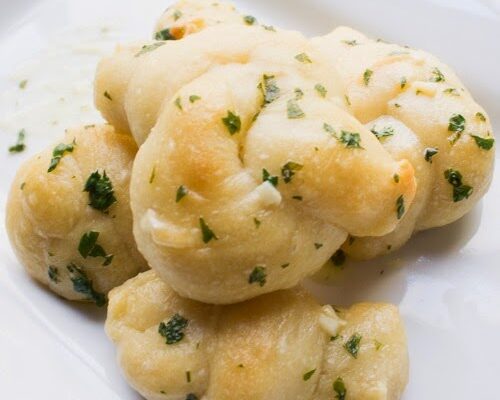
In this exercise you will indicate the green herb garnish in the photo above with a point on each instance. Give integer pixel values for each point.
(19, 146)
(351, 140)
(484, 143)
(58, 153)
(367, 75)
(53, 273)
(400, 206)
(460, 191)
(339, 388)
(178, 103)
(294, 110)
(385, 132)
(350, 42)
(258, 275)
(88, 247)
(108, 96)
(188, 376)
(249, 20)
(194, 98)
(437, 75)
(164, 34)
(82, 284)
(100, 190)
(451, 92)
(206, 232)
(480, 116)
(182, 191)
(177, 14)
(232, 123)
(456, 125)
(352, 345)
(308, 375)
(299, 94)
(23, 83)
(321, 90)
(289, 170)
(403, 82)
(150, 47)
(173, 330)
(429, 153)
(318, 246)
(257, 223)
(267, 177)
(269, 89)
(303, 58)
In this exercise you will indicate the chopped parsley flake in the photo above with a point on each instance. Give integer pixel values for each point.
(321, 90)
(308, 375)
(367, 75)
(403, 82)
(257, 223)
(53, 273)
(294, 110)
(350, 42)
(177, 14)
(194, 98)
(232, 123)
(269, 28)
(108, 96)
(339, 388)
(460, 191)
(149, 47)
(153, 175)
(484, 143)
(378, 345)
(437, 76)
(206, 232)
(303, 58)
(285, 266)
(299, 94)
(173, 330)
(188, 376)
(82, 284)
(329, 129)
(23, 83)
(338, 258)
(352, 345)
(269, 89)
(298, 198)
(59, 151)
(267, 177)
(396, 178)
(400, 206)
(347, 100)
(383, 133)
(451, 92)
(429, 153)
(258, 275)
(318, 246)
(351, 140)
(178, 103)
(100, 190)
(289, 170)
(480, 116)
(456, 125)
(249, 20)
(88, 247)
(182, 191)
(164, 34)
(19, 146)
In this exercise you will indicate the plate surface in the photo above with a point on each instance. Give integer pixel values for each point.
(446, 281)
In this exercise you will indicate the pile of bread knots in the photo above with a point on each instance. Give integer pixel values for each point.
(237, 159)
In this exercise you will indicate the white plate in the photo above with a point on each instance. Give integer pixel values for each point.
(446, 281)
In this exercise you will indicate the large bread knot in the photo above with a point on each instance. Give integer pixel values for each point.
(282, 345)
(69, 218)
(421, 112)
(251, 179)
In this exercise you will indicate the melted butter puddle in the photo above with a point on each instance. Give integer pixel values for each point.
(54, 90)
